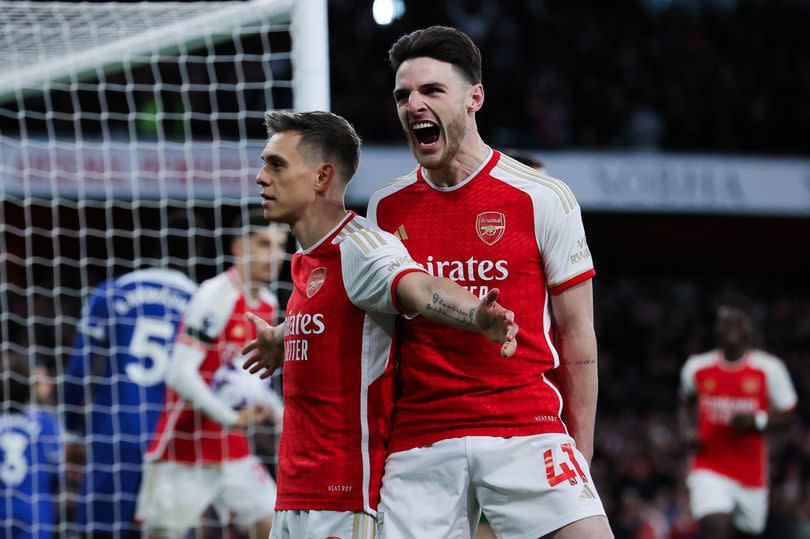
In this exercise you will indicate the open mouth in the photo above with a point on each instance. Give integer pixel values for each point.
(427, 133)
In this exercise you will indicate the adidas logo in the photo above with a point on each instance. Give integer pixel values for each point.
(401, 234)
(587, 493)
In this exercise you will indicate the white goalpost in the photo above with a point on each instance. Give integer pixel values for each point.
(114, 119)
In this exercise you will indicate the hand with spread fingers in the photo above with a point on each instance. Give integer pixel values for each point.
(497, 323)
(266, 352)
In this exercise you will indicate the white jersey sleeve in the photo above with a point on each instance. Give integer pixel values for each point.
(561, 237)
(687, 386)
(689, 370)
(781, 393)
(210, 310)
(184, 376)
(372, 262)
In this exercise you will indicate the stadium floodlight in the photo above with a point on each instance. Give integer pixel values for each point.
(387, 11)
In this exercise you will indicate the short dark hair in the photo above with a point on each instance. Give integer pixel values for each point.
(323, 134)
(15, 381)
(441, 43)
(524, 157)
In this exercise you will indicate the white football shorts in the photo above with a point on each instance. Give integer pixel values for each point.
(710, 493)
(173, 496)
(323, 524)
(527, 486)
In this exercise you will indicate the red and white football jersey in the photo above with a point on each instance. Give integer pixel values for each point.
(214, 322)
(338, 370)
(506, 226)
(757, 382)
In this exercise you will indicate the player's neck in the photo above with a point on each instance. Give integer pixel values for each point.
(317, 221)
(733, 354)
(470, 156)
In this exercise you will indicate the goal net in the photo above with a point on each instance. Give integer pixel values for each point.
(123, 127)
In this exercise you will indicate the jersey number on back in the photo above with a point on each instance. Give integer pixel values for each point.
(14, 467)
(151, 340)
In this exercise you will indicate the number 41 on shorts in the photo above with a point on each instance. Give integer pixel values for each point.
(566, 473)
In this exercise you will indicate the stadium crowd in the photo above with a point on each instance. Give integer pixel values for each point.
(714, 76)
(681, 76)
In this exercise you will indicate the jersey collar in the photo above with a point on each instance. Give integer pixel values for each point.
(486, 165)
(332, 233)
(732, 365)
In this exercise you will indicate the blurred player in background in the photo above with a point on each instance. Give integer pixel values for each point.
(731, 396)
(351, 280)
(114, 384)
(470, 432)
(200, 454)
(30, 454)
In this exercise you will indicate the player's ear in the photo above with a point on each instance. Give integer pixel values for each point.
(236, 246)
(326, 175)
(475, 98)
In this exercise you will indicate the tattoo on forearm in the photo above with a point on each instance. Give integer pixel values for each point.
(579, 362)
(465, 317)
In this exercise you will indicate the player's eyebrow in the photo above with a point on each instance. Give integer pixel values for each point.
(274, 160)
(401, 93)
(432, 86)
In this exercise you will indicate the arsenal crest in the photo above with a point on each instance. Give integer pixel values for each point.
(316, 279)
(490, 226)
(750, 384)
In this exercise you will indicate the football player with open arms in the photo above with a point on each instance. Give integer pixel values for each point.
(199, 453)
(514, 439)
(351, 280)
(731, 396)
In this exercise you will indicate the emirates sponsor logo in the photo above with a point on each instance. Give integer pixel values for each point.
(471, 269)
(315, 282)
(304, 324)
(719, 409)
(490, 226)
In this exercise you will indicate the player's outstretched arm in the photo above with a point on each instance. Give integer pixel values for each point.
(443, 301)
(267, 350)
